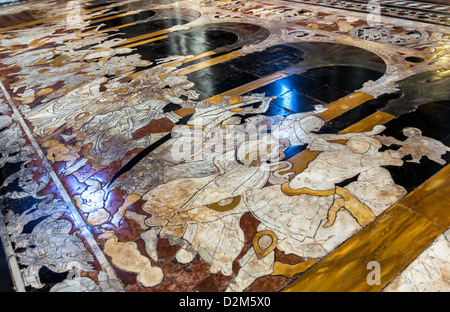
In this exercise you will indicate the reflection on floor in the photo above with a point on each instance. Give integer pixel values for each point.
(224, 145)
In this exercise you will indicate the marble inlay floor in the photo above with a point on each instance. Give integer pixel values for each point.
(224, 145)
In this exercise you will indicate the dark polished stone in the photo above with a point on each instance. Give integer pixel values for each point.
(349, 78)
(122, 20)
(97, 3)
(297, 102)
(328, 94)
(18, 205)
(269, 61)
(316, 73)
(419, 89)
(346, 78)
(436, 112)
(140, 29)
(276, 110)
(208, 85)
(6, 284)
(429, 128)
(293, 150)
(302, 84)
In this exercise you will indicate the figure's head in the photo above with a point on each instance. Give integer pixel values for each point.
(411, 132)
(311, 123)
(362, 144)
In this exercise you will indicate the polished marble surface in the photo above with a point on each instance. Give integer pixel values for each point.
(224, 145)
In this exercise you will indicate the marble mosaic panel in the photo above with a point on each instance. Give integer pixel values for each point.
(224, 146)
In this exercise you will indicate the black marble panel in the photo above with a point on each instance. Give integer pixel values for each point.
(349, 78)
(302, 84)
(245, 69)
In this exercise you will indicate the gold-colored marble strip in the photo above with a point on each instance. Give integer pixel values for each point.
(131, 45)
(393, 240)
(41, 21)
(301, 160)
(248, 87)
(209, 63)
(141, 37)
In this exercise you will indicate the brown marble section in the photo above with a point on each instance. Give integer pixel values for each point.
(14, 19)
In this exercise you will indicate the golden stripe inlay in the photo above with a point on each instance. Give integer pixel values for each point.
(209, 63)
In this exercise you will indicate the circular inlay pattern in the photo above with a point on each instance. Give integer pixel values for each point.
(389, 34)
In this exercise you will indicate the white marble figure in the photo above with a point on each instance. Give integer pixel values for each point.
(418, 146)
